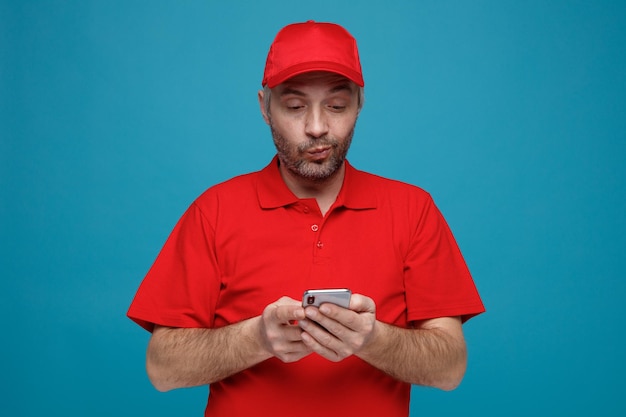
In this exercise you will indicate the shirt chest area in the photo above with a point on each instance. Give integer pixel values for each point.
(285, 250)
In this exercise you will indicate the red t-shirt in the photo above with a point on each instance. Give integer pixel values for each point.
(248, 241)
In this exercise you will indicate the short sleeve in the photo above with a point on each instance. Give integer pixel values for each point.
(182, 286)
(437, 280)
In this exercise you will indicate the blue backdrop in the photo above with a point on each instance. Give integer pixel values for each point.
(115, 115)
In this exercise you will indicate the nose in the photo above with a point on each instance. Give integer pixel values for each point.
(316, 123)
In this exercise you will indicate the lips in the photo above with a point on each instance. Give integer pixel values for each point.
(319, 152)
(319, 149)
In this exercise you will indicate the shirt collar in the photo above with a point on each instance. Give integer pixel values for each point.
(273, 192)
(271, 188)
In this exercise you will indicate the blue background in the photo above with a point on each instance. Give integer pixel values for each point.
(115, 115)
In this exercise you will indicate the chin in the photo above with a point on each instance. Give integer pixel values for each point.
(318, 171)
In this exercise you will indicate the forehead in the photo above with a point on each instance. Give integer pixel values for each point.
(324, 80)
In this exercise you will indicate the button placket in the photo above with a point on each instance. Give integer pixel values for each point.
(316, 228)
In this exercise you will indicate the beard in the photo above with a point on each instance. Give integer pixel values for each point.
(293, 156)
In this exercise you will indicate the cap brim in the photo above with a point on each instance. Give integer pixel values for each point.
(305, 67)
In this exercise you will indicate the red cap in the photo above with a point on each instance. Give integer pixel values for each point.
(312, 46)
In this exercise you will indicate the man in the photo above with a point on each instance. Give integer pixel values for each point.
(223, 298)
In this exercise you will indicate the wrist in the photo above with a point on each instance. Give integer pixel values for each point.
(253, 329)
(376, 344)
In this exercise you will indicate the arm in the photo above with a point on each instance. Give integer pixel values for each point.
(432, 353)
(179, 358)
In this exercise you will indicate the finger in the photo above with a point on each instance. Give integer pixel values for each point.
(285, 314)
(295, 353)
(362, 304)
(292, 333)
(285, 342)
(290, 313)
(319, 347)
(322, 334)
(351, 329)
(335, 319)
(291, 350)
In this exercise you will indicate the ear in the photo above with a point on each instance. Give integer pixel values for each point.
(261, 96)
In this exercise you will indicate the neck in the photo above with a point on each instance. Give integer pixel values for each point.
(324, 191)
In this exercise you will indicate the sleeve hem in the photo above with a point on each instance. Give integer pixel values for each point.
(465, 312)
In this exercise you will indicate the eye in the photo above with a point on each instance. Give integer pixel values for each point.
(294, 104)
(336, 107)
(337, 104)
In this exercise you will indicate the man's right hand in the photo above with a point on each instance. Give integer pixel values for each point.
(189, 357)
(280, 334)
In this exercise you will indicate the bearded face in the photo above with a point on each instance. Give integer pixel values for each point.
(315, 159)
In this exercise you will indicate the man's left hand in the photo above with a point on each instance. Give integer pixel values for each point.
(334, 332)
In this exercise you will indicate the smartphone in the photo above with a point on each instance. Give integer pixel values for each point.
(338, 296)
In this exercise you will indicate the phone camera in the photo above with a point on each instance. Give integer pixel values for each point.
(310, 300)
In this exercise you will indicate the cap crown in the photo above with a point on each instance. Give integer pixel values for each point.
(312, 46)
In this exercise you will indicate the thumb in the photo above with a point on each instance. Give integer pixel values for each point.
(362, 304)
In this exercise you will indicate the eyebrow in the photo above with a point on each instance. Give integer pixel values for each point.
(341, 87)
(290, 90)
